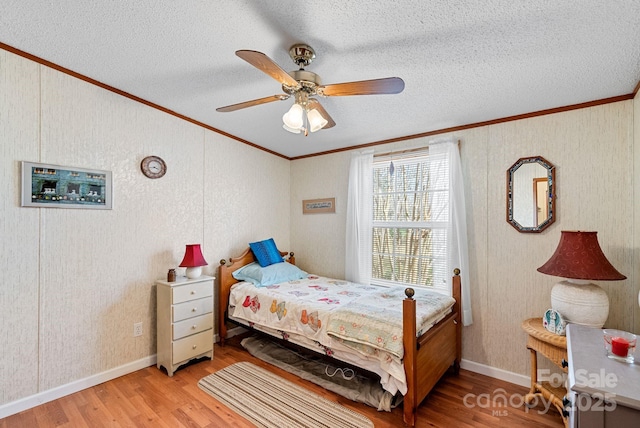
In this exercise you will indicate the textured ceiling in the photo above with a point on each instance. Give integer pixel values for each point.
(463, 62)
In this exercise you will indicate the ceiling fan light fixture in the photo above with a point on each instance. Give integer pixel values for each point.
(293, 130)
(307, 114)
(294, 118)
(316, 121)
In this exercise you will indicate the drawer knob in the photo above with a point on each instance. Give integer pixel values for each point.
(194, 346)
(193, 291)
(194, 309)
(193, 327)
(564, 363)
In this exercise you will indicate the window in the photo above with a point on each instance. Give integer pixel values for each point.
(406, 220)
(411, 216)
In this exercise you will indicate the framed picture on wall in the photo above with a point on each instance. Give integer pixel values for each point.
(318, 206)
(54, 186)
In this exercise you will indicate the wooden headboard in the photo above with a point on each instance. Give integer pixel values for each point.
(226, 280)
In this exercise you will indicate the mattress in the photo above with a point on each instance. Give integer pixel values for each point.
(356, 323)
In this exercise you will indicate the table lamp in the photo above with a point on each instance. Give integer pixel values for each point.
(580, 260)
(193, 261)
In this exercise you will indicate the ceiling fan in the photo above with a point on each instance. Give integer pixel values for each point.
(303, 85)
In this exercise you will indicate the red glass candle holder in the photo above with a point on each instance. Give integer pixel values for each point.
(620, 345)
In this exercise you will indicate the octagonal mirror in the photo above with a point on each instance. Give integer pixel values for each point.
(531, 190)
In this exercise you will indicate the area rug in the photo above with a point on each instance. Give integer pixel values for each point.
(268, 400)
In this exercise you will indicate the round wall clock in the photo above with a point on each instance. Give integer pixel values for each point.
(153, 166)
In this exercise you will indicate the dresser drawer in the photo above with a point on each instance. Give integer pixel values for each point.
(192, 326)
(191, 346)
(191, 309)
(192, 291)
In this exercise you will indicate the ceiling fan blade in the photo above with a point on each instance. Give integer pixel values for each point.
(389, 85)
(234, 107)
(266, 64)
(315, 104)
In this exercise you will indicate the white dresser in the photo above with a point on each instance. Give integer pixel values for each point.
(604, 393)
(184, 321)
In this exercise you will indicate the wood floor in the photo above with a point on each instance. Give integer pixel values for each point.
(149, 398)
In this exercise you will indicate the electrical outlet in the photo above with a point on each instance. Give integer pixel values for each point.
(137, 329)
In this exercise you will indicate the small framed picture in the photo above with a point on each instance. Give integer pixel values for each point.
(319, 206)
(54, 186)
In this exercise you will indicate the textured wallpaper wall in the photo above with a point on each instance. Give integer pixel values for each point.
(77, 280)
(593, 151)
(19, 230)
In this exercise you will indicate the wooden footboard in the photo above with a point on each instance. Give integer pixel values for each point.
(428, 357)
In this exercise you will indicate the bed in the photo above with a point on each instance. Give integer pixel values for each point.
(410, 364)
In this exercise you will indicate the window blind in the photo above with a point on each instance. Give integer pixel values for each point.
(411, 214)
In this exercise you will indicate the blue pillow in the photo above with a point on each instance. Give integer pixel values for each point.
(272, 274)
(266, 252)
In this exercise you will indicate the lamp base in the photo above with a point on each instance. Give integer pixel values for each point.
(585, 304)
(193, 272)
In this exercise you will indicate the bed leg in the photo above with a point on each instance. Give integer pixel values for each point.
(411, 420)
(222, 328)
(222, 333)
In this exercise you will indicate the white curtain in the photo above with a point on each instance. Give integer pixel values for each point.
(359, 231)
(457, 233)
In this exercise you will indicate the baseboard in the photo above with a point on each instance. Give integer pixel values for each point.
(78, 385)
(236, 331)
(500, 374)
(25, 403)
(230, 333)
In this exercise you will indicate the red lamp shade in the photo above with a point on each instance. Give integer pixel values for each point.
(193, 257)
(579, 256)
(193, 261)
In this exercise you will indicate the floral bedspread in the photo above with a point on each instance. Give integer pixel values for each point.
(365, 318)
(298, 307)
(374, 321)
